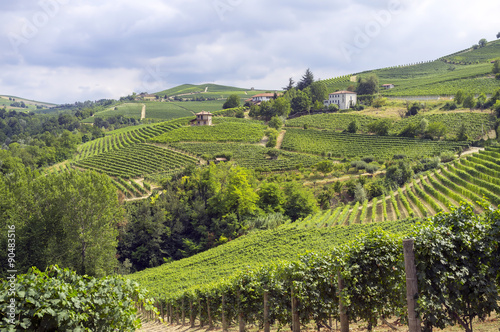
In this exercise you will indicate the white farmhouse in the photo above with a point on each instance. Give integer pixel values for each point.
(263, 97)
(344, 99)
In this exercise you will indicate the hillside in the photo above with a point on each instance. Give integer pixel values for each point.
(258, 248)
(469, 70)
(209, 90)
(31, 104)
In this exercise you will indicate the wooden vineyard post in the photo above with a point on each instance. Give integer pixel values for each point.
(183, 317)
(162, 313)
(224, 323)
(191, 314)
(241, 321)
(414, 324)
(210, 322)
(295, 314)
(267, 327)
(344, 320)
(199, 309)
(177, 316)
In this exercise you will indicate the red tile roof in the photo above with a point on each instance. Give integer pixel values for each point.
(339, 92)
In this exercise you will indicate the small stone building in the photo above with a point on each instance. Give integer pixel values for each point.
(202, 119)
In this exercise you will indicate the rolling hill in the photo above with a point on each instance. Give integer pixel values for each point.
(469, 70)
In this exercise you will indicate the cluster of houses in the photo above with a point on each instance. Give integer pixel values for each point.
(343, 99)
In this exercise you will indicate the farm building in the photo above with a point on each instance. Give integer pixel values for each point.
(388, 86)
(202, 119)
(344, 99)
(262, 97)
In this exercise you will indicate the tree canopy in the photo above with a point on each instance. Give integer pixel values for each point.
(306, 80)
(368, 85)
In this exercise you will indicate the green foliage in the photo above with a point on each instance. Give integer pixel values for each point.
(469, 101)
(232, 102)
(124, 137)
(357, 146)
(456, 288)
(224, 132)
(374, 278)
(306, 81)
(325, 166)
(380, 127)
(353, 127)
(252, 156)
(379, 102)
(68, 218)
(137, 160)
(300, 201)
(368, 86)
(459, 97)
(61, 300)
(275, 122)
(319, 92)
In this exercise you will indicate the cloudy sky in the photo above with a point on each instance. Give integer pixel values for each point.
(65, 51)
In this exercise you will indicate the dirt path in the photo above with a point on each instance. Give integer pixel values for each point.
(143, 112)
(471, 151)
(280, 139)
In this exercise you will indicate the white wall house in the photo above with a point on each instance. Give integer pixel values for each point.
(344, 99)
(262, 97)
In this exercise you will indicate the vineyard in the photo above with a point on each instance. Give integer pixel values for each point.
(467, 70)
(469, 179)
(212, 91)
(360, 280)
(356, 145)
(251, 156)
(250, 251)
(224, 132)
(477, 124)
(136, 160)
(123, 138)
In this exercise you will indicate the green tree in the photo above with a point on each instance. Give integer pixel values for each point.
(359, 193)
(275, 122)
(306, 80)
(481, 100)
(462, 133)
(498, 35)
(69, 219)
(380, 127)
(353, 127)
(469, 101)
(368, 86)
(232, 102)
(436, 129)
(271, 198)
(496, 67)
(301, 102)
(379, 102)
(319, 92)
(300, 202)
(459, 97)
(290, 85)
(281, 107)
(324, 166)
(482, 42)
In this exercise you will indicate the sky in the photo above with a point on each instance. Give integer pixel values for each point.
(64, 51)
